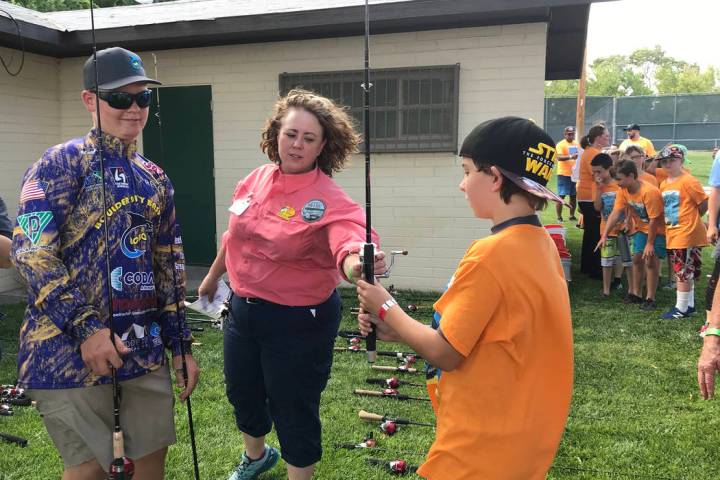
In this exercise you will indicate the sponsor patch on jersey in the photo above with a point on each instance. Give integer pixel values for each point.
(119, 176)
(136, 239)
(119, 280)
(154, 329)
(33, 224)
(313, 210)
(151, 167)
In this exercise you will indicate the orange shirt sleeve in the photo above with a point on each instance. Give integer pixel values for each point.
(463, 317)
(695, 190)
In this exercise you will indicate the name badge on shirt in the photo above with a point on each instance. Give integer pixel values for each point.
(240, 205)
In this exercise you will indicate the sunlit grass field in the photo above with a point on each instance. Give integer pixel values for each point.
(636, 413)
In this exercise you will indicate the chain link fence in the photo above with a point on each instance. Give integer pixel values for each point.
(693, 120)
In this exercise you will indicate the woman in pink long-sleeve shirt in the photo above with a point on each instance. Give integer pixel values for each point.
(293, 235)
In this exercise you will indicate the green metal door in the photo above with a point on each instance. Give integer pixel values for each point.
(181, 142)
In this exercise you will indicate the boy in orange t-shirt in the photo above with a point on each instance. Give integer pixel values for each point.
(504, 343)
(646, 206)
(685, 203)
(615, 253)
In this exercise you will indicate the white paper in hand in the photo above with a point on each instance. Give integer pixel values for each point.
(212, 307)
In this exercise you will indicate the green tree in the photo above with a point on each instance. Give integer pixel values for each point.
(645, 71)
(686, 78)
(615, 76)
(57, 5)
(561, 88)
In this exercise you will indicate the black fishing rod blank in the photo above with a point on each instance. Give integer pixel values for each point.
(122, 467)
(368, 257)
(6, 437)
(180, 326)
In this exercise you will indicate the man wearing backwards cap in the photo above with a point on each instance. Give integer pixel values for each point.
(59, 248)
(505, 319)
(634, 138)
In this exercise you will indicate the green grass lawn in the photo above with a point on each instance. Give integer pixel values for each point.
(636, 413)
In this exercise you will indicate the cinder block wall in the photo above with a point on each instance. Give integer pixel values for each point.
(416, 201)
(29, 123)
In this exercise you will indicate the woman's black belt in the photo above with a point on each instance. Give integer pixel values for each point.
(258, 301)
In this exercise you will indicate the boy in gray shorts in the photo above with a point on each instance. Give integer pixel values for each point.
(66, 346)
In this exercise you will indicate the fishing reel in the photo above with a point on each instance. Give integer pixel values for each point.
(393, 254)
(389, 428)
(122, 469)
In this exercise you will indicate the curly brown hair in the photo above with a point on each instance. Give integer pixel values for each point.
(338, 130)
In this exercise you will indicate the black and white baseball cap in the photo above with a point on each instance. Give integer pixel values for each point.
(522, 151)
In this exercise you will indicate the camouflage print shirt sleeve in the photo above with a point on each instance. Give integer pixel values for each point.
(169, 265)
(48, 194)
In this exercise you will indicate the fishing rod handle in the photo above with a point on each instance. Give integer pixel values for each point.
(369, 393)
(118, 445)
(368, 263)
(370, 417)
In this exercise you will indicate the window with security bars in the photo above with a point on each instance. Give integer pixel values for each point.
(411, 109)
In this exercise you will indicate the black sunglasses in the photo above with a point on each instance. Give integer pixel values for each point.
(124, 100)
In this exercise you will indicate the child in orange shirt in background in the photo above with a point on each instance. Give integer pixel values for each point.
(504, 342)
(637, 155)
(649, 241)
(685, 203)
(615, 251)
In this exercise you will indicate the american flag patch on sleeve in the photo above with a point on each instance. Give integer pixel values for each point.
(32, 190)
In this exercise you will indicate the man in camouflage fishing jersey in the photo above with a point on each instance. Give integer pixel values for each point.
(59, 248)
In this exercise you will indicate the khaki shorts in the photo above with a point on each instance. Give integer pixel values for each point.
(80, 420)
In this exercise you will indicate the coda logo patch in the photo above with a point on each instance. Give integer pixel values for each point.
(119, 280)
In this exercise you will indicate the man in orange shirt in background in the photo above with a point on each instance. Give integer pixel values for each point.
(634, 138)
(504, 342)
(567, 151)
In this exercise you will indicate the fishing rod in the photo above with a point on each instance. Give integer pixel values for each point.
(368, 253)
(6, 437)
(392, 382)
(397, 467)
(408, 357)
(370, 443)
(387, 393)
(181, 326)
(122, 467)
(398, 369)
(374, 417)
(181, 341)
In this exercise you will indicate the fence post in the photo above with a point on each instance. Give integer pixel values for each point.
(613, 122)
(674, 140)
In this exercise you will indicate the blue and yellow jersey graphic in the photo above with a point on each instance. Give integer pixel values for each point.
(59, 250)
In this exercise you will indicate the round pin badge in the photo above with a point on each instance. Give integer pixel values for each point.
(313, 210)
